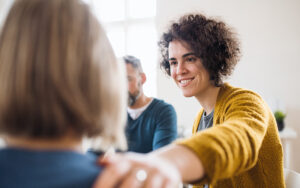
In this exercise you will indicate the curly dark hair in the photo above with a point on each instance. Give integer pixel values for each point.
(210, 39)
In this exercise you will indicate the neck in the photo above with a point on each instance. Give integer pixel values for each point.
(65, 143)
(141, 101)
(209, 98)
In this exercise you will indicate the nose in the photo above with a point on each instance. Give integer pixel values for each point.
(180, 68)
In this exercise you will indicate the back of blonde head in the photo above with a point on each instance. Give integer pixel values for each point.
(58, 73)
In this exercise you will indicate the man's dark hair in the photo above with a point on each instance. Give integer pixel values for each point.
(210, 39)
(135, 62)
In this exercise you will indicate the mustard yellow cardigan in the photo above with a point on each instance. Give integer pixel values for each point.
(243, 148)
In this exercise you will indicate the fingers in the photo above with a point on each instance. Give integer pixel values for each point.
(132, 181)
(137, 171)
(171, 184)
(116, 169)
(154, 181)
(153, 178)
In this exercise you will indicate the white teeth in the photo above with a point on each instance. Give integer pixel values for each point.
(185, 81)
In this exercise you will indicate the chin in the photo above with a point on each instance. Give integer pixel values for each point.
(187, 94)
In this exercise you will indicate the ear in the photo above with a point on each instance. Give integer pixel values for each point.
(143, 78)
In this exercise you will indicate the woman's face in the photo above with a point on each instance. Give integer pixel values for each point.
(187, 70)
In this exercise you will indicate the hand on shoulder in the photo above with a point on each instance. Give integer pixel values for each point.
(137, 170)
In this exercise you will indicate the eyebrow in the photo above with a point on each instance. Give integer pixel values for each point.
(184, 55)
(188, 54)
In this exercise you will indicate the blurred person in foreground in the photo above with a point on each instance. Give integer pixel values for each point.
(235, 140)
(60, 82)
(151, 122)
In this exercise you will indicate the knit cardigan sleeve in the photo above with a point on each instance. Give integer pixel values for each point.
(232, 145)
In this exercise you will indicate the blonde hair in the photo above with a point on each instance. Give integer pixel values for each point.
(58, 73)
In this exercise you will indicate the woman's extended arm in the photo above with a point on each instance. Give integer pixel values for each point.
(165, 167)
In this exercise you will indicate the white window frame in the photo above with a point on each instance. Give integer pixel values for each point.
(150, 87)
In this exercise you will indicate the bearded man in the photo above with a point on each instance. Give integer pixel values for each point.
(151, 122)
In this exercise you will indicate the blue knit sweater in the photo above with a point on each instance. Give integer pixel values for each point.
(154, 128)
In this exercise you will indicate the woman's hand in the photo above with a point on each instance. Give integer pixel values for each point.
(137, 170)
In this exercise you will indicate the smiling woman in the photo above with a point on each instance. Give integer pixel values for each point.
(215, 43)
(233, 135)
(187, 70)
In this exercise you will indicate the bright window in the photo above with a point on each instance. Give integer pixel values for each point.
(130, 27)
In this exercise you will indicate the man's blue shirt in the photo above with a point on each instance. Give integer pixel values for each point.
(154, 128)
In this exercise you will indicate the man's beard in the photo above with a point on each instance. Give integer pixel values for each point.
(132, 97)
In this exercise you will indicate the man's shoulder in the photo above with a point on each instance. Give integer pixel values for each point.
(161, 107)
(161, 103)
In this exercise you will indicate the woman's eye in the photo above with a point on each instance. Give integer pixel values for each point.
(191, 59)
(172, 63)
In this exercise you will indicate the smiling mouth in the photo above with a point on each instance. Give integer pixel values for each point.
(185, 82)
